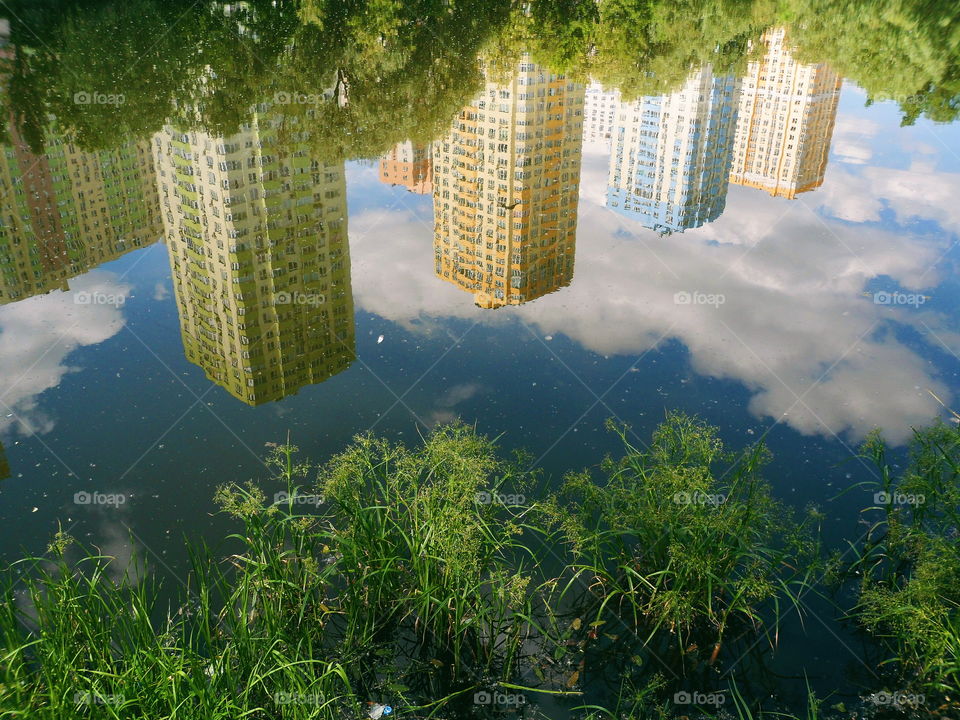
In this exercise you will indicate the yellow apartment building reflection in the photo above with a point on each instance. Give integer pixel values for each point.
(257, 236)
(65, 211)
(408, 164)
(786, 119)
(506, 185)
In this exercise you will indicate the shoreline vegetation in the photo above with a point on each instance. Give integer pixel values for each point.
(445, 581)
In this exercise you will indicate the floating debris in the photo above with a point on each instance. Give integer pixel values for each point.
(377, 710)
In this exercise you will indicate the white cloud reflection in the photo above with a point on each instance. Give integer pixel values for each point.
(36, 337)
(795, 327)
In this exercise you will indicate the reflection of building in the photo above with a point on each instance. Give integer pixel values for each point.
(408, 164)
(787, 112)
(257, 236)
(506, 184)
(671, 154)
(599, 114)
(4, 465)
(65, 211)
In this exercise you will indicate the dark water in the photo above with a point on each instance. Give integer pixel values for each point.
(756, 243)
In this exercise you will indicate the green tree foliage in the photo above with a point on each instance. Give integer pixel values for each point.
(386, 70)
(144, 57)
(376, 82)
(372, 74)
(904, 50)
(650, 48)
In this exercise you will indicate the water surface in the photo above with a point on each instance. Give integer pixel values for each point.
(761, 242)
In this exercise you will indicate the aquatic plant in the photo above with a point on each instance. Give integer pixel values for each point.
(909, 561)
(416, 577)
(432, 540)
(685, 538)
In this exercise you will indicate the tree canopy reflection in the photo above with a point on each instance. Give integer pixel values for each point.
(370, 75)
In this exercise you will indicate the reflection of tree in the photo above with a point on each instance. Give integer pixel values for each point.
(406, 85)
(650, 48)
(904, 50)
(391, 70)
(639, 47)
(396, 69)
(896, 49)
(151, 53)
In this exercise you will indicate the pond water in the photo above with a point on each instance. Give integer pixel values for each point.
(200, 257)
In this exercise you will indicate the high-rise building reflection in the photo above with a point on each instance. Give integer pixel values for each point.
(600, 106)
(4, 464)
(671, 154)
(408, 164)
(257, 236)
(787, 115)
(65, 211)
(506, 186)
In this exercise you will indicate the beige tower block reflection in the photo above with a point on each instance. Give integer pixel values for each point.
(785, 122)
(64, 211)
(408, 164)
(506, 186)
(257, 236)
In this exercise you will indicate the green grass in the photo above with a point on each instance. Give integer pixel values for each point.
(421, 576)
